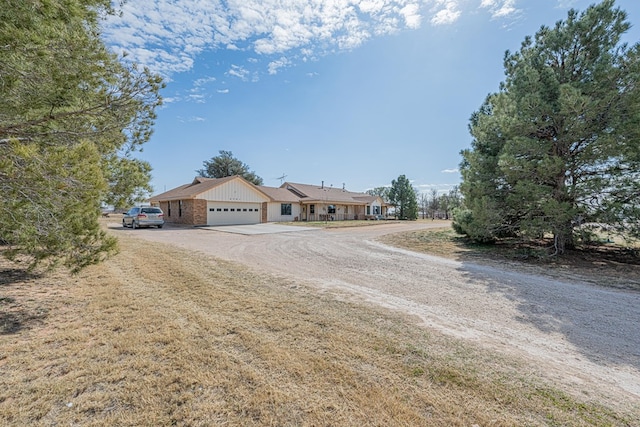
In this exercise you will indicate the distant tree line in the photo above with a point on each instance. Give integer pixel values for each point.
(435, 205)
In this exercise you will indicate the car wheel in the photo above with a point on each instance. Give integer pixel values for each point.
(159, 226)
(124, 225)
(133, 224)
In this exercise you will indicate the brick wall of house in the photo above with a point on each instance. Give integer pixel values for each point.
(165, 209)
(173, 214)
(199, 212)
(194, 212)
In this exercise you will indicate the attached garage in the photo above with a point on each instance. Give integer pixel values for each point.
(226, 213)
(214, 201)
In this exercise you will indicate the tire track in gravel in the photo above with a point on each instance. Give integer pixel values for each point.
(583, 336)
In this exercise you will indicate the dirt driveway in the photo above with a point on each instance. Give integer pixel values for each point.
(582, 336)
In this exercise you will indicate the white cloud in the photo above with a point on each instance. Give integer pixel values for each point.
(500, 8)
(448, 14)
(196, 97)
(223, 90)
(203, 81)
(455, 170)
(566, 4)
(191, 119)
(411, 15)
(274, 66)
(239, 71)
(167, 35)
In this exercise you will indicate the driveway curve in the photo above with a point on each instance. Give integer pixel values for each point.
(582, 336)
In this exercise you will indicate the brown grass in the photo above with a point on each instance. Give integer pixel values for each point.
(161, 336)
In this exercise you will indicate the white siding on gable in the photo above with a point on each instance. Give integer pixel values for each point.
(274, 210)
(376, 207)
(234, 191)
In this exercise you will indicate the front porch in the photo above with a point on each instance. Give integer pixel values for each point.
(334, 212)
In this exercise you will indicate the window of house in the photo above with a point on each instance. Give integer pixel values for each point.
(226, 210)
(219, 209)
(346, 209)
(179, 207)
(285, 209)
(244, 209)
(376, 210)
(168, 208)
(331, 209)
(233, 209)
(312, 209)
(368, 210)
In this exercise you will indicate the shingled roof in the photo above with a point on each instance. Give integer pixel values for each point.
(190, 191)
(322, 193)
(279, 194)
(287, 192)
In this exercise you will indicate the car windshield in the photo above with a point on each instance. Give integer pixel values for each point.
(151, 210)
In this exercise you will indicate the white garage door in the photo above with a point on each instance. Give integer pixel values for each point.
(230, 213)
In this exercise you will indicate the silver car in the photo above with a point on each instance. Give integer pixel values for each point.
(143, 216)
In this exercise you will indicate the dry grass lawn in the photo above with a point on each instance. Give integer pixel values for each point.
(160, 336)
(614, 265)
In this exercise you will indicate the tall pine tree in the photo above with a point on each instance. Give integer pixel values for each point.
(403, 197)
(71, 116)
(557, 146)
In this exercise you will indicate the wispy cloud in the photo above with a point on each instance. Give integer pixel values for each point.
(239, 72)
(192, 119)
(448, 12)
(168, 35)
(196, 97)
(500, 8)
(566, 4)
(277, 64)
(450, 170)
(203, 81)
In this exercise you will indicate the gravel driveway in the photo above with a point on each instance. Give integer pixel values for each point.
(579, 335)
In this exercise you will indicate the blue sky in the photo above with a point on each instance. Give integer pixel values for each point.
(349, 92)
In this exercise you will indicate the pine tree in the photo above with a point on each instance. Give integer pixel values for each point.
(71, 116)
(403, 196)
(225, 165)
(557, 146)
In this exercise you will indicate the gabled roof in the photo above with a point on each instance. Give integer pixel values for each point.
(279, 194)
(322, 193)
(198, 186)
(287, 192)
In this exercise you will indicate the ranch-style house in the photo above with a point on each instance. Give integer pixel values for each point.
(234, 200)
